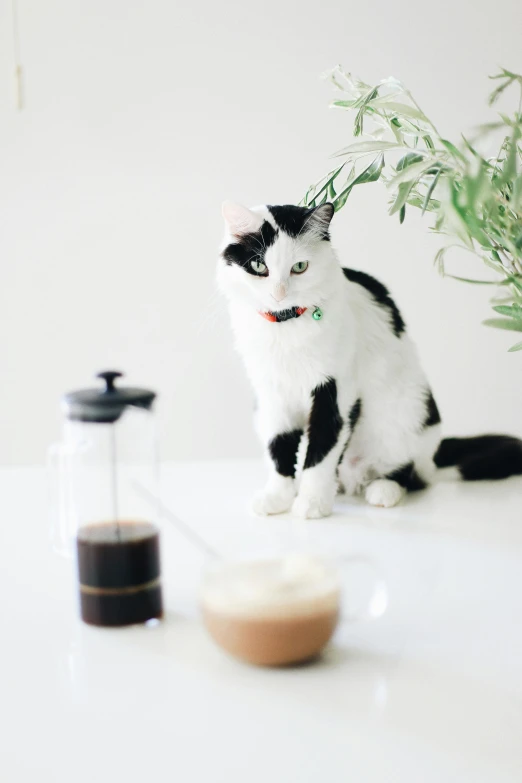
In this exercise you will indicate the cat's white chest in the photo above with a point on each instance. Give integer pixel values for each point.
(288, 360)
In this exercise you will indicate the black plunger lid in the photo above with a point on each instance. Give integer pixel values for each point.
(105, 406)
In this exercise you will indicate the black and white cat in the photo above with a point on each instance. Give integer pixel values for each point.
(342, 400)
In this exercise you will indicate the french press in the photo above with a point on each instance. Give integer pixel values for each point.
(107, 456)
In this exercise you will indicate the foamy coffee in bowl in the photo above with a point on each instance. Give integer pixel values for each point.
(273, 612)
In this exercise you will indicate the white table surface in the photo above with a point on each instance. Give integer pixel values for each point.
(432, 692)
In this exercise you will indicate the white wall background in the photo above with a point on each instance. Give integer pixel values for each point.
(141, 117)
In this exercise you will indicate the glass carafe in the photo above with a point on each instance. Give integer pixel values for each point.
(108, 454)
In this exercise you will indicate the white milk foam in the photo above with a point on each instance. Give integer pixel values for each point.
(297, 585)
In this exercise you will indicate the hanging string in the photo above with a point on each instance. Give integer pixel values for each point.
(19, 94)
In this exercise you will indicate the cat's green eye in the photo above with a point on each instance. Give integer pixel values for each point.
(259, 268)
(300, 267)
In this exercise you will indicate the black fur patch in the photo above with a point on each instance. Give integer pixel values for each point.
(482, 457)
(381, 295)
(408, 478)
(251, 247)
(432, 412)
(355, 414)
(353, 418)
(292, 219)
(325, 423)
(283, 450)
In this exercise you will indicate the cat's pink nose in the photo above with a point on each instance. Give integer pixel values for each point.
(279, 292)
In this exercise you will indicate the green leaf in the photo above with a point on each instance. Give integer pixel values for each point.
(509, 170)
(516, 347)
(323, 199)
(408, 160)
(496, 266)
(402, 214)
(304, 200)
(486, 127)
(413, 172)
(507, 120)
(329, 180)
(475, 282)
(514, 311)
(402, 196)
(431, 190)
(504, 323)
(367, 146)
(511, 280)
(499, 90)
(343, 104)
(363, 103)
(365, 99)
(466, 224)
(370, 174)
(401, 109)
(453, 150)
(439, 259)
(475, 189)
(342, 198)
(418, 202)
(410, 127)
(474, 152)
(505, 73)
(395, 129)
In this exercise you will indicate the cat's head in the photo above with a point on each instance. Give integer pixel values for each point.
(276, 257)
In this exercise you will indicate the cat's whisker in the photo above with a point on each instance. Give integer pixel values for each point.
(212, 311)
(210, 320)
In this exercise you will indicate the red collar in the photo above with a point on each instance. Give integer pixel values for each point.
(282, 315)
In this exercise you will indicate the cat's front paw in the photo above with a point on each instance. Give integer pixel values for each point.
(272, 502)
(312, 507)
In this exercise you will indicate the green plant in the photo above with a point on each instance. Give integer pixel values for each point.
(476, 200)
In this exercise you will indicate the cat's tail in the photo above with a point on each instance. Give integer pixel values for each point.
(479, 458)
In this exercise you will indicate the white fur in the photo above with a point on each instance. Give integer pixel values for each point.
(354, 344)
(239, 219)
(384, 493)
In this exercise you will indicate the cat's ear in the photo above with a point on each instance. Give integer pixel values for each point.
(320, 218)
(240, 220)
